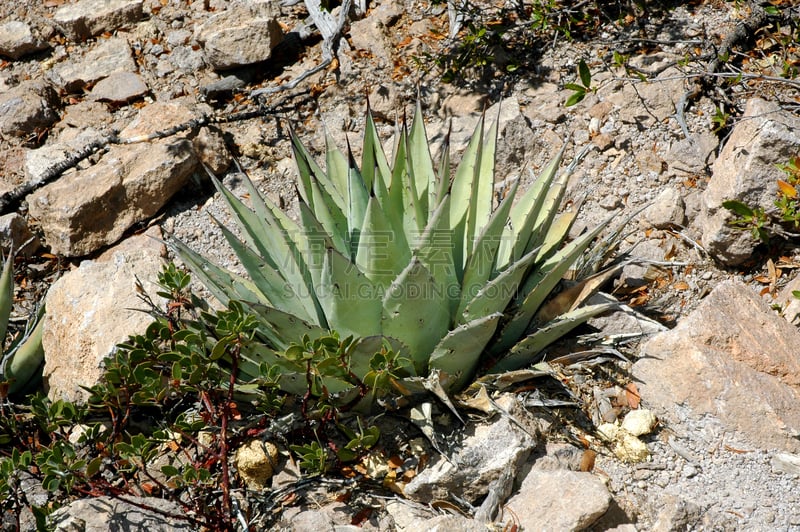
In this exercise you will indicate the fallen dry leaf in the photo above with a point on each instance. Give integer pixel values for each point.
(587, 460)
(632, 395)
(786, 189)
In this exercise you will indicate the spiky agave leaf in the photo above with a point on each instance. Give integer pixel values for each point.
(23, 359)
(400, 252)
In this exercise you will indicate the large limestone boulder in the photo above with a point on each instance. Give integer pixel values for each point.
(732, 358)
(91, 309)
(86, 210)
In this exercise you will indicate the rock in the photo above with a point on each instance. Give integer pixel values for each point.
(186, 59)
(625, 446)
(17, 40)
(107, 57)
(39, 161)
(407, 516)
(387, 13)
(450, 523)
(88, 18)
(14, 233)
(107, 513)
(667, 210)
(331, 517)
(84, 115)
(86, 210)
(676, 513)
(466, 112)
(732, 358)
(487, 451)
(371, 35)
(544, 103)
(386, 100)
(243, 34)
(649, 162)
(786, 463)
(411, 517)
(641, 273)
(317, 520)
(208, 143)
(559, 500)
(462, 103)
(12, 169)
(129, 184)
(27, 108)
(745, 171)
(120, 87)
(157, 117)
(90, 311)
(646, 103)
(516, 149)
(639, 422)
(211, 149)
(255, 461)
(603, 141)
(790, 305)
(222, 88)
(693, 155)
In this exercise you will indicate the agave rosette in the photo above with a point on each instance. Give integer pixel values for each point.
(403, 253)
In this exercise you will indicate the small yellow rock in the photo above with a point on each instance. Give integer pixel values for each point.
(639, 422)
(626, 446)
(629, 448)
(608, 431)
(254, 461)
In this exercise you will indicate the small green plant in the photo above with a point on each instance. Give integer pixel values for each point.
(753, 219)
(585, 87)
(721, 118)
(313, 457)
(169, 377)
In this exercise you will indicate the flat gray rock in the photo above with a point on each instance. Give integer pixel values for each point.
(107, 57)
(88, 18)
(120, 87)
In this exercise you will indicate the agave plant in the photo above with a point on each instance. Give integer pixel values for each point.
(22, 359)
(440, 268)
